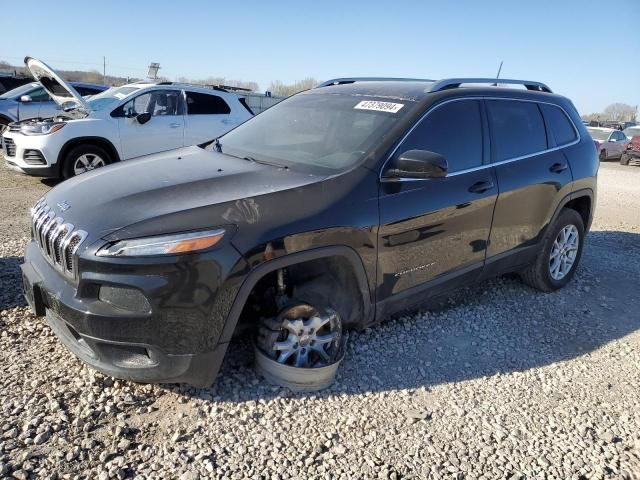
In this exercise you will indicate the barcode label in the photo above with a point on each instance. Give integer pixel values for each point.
(379, 106)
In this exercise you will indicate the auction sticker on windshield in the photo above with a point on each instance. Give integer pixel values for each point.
(379, 106)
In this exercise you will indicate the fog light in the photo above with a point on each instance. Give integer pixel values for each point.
(124, 298)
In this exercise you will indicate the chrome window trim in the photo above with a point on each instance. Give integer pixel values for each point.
(488, 165)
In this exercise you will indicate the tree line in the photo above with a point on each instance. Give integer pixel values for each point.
(617, 112)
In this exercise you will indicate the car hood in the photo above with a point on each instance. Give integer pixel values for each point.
(174, 191)
(57, 87)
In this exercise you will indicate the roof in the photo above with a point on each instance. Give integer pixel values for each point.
(417, 89)
(601, 129)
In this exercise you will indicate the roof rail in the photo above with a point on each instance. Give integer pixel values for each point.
(342, 81)
(448, 83)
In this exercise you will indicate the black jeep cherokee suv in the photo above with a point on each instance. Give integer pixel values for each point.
(333, 209)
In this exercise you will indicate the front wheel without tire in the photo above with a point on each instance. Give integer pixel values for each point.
(302, 336)
(560, 253)
(84, 158)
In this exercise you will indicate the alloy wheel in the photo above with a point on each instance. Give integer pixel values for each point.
(564, 252)
(308, 338)
(87, 162)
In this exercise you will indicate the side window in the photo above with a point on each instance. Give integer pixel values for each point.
(620, 136)
(204, 104)
(560, 126)
(453, 130)
(517, 129)
(39, 95)
(157, 102)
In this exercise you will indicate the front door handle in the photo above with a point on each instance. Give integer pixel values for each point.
(175, 125)
(558, 167)
(481, 187)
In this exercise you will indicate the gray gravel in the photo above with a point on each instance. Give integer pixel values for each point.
(497, 381)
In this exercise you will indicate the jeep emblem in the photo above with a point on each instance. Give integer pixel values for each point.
(64, 206)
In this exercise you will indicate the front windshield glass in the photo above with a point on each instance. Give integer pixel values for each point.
(329, 131)
(632, 132)
(602, 135)
(109, 97)
(19, 91)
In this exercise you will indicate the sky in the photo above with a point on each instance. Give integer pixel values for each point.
(586, 50)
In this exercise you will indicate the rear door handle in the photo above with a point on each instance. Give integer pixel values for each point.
(481, 187)
(175, 125)
(558, 167)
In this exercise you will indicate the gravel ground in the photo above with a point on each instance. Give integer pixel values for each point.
(497, 381)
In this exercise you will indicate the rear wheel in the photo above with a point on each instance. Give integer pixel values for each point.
(84, 158)
(603, 155)
(560, 254)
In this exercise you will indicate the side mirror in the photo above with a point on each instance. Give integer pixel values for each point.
(418, 164)
(26, 99)
(143, 118)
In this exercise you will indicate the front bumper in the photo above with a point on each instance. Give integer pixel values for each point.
(48, 147)
(175, 341)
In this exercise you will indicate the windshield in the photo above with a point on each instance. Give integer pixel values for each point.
(632, 132)
(19, 91)
(322, 130)
(601, 135)
(109, 97)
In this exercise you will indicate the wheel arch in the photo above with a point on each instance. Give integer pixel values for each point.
(88, 140)
(346, 254)
(581, 201)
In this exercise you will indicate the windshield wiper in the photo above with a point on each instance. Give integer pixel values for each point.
(266, 162)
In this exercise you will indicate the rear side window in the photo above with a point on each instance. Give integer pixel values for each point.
(517, 129)
(453, 130)
(560, 126)
(203, 104)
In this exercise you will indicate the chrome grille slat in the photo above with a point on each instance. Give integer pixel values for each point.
(58, 241)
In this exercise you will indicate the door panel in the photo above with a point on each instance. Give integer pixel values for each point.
(530, 190)
(433, 228)
(164, 131)
(208, 116)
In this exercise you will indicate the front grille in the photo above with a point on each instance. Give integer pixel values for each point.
(58, 241)
(9, 147)
(33, 157)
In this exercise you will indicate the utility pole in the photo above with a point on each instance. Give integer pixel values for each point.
(104, 70)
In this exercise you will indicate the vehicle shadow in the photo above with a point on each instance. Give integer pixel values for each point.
(11, 283)
(500, 326)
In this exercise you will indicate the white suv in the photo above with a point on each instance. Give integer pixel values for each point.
(118, 124)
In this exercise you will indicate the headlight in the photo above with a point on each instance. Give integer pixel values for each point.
(163, 245)
(41, 128)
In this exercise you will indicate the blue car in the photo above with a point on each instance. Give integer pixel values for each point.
(32, 101)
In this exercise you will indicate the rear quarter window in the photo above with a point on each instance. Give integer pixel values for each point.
(559, 124)
(517, 129)
(204, 104)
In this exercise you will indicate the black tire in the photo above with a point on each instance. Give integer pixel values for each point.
(538, 274)
(603, 155)
(624, 159)
(76, 153)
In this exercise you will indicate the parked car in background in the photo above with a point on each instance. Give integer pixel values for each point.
(609, 142)
(118, 124)
(32, 101)
(333, 209)
(631, 152)
(9, 82)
